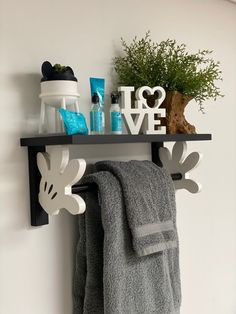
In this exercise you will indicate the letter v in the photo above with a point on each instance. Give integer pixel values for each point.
(134, 125)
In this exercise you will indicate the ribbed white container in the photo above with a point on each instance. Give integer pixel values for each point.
(57, 94)
(53, 92)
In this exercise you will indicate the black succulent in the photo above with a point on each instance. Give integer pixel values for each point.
(57, 72)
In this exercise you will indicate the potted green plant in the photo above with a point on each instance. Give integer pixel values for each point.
(183, 75)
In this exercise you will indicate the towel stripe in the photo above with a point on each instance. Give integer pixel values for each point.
(157, 248)
(148, 229)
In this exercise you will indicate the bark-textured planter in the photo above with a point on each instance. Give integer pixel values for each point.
(175, 120)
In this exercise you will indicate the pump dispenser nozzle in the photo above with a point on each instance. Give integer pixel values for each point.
(95, 98)
(114, 98)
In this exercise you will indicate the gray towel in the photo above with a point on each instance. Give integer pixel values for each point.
(133, 216)
(150, 204)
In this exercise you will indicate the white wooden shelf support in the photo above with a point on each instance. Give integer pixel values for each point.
(58, 174)
(178, 162)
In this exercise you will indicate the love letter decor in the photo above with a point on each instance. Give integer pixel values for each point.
(142, 114)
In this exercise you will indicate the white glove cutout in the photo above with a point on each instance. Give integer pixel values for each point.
(177, 163)
(58, 175)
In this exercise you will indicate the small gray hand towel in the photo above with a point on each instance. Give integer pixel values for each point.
(149, 197)
(110, 277)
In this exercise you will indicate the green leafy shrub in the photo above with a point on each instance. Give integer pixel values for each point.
(169, 65)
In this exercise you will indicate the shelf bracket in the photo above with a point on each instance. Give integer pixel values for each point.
(155, 147)
(51, 177)
(58, 175)
(38, 216)
(178, 161)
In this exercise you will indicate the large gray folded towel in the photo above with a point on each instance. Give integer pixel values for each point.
(149, 198)
(133, 212)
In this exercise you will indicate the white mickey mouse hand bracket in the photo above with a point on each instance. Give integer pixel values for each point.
(58, 176)
(177, 163)
(142, 112)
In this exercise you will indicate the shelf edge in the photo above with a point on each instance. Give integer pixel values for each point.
(109, 139)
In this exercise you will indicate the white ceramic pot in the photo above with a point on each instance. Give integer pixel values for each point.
(53, 92)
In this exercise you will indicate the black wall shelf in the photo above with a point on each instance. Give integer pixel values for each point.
(38, 144)
(62, 139)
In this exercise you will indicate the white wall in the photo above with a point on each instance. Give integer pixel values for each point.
(36, 264)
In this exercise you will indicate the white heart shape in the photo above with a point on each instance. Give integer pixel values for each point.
(151, 90)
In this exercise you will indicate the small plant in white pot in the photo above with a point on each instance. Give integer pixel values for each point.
(59, 89)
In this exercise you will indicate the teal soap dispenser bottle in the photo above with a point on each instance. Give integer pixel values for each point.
(115, 115)
(96, 116)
